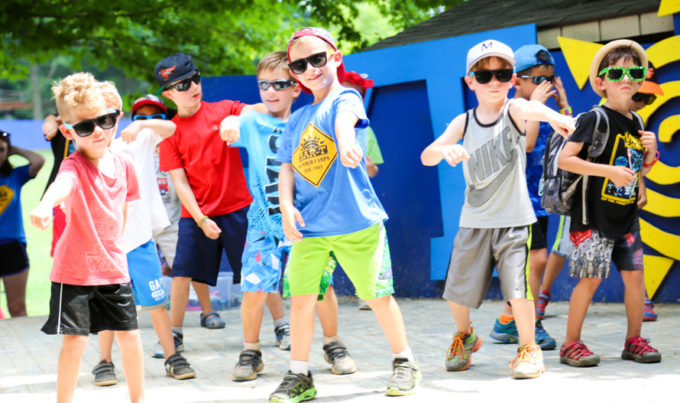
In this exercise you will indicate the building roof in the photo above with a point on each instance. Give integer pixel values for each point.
(484, 15)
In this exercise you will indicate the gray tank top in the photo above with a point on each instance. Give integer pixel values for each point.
(496, 194)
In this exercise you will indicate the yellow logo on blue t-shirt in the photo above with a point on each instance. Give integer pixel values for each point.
(314, 155)
(6, 196)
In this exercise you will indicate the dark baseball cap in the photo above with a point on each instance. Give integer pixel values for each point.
(173, 68)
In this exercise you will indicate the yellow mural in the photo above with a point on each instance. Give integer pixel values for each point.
(578, 55)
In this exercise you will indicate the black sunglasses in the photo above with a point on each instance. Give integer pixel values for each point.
(317, 60)
(186, 83)
(145, 117)
(539, 79)
(648, 99)
(86, 127)
(484, 76)
(279, 85)
(4, 133)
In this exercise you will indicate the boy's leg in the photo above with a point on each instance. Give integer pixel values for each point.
(327, 311)
(15, 290)
(634, 300)
(252, 310)
(391, 321)
(524, 313)
(558, 256)
(72, 349)
(105, 338)
(301, 326)
(179, 298)
(175, 365)
(130, 344)
(553, 268)
(104, 373)
(578, 307)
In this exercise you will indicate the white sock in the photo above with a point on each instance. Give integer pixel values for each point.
(280, 321)
(177, 329)
(251, 346)
(329, 340)
(299, 367)
(407, 353)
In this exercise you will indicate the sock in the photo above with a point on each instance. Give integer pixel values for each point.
(280, 321)
(251, 346)
(505, 319)
(329, 340)
(299, 367)
(177, 329)
(407, 353)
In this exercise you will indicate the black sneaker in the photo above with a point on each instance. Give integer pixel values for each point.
(294, 388)
(405, 377)
(248, 365)
(178, 367)
(336, 354)
(104, 374)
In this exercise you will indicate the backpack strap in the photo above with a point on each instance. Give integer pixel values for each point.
(595, 149)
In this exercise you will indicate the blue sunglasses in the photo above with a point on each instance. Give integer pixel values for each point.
(145, 117)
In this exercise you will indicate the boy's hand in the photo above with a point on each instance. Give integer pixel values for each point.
(230, 129)
(648, 140)
(642, 199)
(40, 216)
(562, 124)
(454, 153)
(210, 229)
(129, 134)
(560, 94)
(621, 176)
(350, 156)
(543, 92)
(288, 219)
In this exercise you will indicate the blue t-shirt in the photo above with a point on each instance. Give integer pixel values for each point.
(11, 219)
(535, 169)
(260, 136)
(333, 199)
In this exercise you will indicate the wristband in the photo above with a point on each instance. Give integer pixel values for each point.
(566, 111)
(200, 224)
(651, 164)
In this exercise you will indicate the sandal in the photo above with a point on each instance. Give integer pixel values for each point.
(212, 320)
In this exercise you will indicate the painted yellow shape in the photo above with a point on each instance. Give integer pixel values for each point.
(664, 52)
(578, 55)
(656, 269)
(668, 7)
(663, 242)
(662, 174)
(670, 90)
(662, 205)
(669, 127)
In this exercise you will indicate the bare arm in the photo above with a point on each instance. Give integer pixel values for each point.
(186, 196)
(58, 191)
(446, 147)
(259, 107)
(289, 214)
(51, 126)
(532, 129)
(35, 160)
(521, 110)
(164, 128)
(570, 161)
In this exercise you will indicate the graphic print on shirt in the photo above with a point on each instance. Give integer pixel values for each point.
(6, 196)
(633, 159)
(490, 165)
(315, 155)
(272, 168)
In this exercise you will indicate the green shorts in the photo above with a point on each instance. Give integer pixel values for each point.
(364, 256)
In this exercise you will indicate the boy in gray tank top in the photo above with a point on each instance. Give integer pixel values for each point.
(495, 220)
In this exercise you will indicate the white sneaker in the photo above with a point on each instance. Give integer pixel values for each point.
(528, 363)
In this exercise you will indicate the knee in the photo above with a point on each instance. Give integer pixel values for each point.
(128, 337)
(632, 277)
(16, 308)
(590, 283)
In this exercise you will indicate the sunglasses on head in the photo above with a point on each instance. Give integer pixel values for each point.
(317, 60)
(145, 117)
(648, 99)
(616, 74)
(185, 84)
(484, 76)
(539, 79)
(279, 85)
(86, 127)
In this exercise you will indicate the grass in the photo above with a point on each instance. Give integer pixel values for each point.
(38, 241)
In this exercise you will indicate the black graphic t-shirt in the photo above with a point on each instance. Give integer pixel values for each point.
(611, 209)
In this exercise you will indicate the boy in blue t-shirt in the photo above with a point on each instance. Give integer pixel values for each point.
(328, 204)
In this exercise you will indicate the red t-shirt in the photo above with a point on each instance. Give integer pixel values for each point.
(213, 169)
(89, 252)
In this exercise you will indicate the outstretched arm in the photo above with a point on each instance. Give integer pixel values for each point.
(164, 128)
(521, 110)
(55, 194)
(351, 153)
(446, 147)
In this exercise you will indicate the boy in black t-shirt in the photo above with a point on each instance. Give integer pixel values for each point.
(607, 233)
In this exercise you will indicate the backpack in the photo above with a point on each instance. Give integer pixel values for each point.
(559, 185)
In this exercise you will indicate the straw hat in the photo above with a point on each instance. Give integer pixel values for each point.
(620, 43)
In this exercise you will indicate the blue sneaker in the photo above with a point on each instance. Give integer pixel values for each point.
(505, 334)
(543, 339)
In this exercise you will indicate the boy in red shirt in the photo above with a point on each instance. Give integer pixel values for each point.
(91, 288)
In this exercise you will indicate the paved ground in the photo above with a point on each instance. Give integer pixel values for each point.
(28, 361)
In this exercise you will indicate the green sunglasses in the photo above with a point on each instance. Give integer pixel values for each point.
(616, 74)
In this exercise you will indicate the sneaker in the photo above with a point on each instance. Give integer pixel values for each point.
(638, 349)
(458, 357)
(363, 306)
(248, 365)
(178, 338)
(528, 363)
(104, 374)
(542, 303)
(178, 367)
(649, 314)
(212, 320)
(505, 334)
(542, 338)
(405, 377)
(576, 354)
(336, 354)
(282, 333)
(294, 388)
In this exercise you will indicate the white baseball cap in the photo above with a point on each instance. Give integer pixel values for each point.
(489, 47)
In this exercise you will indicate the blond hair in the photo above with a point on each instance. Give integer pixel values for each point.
(274, 61)
(111, 94)
(75, 92)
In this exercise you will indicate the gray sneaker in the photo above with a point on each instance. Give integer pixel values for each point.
(178, 367)
(248, 365)
(405, 377)
(282, 337)
(104, 374)
(336, 354)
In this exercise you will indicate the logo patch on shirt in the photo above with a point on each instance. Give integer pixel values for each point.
(314, 155)
(6, 196)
